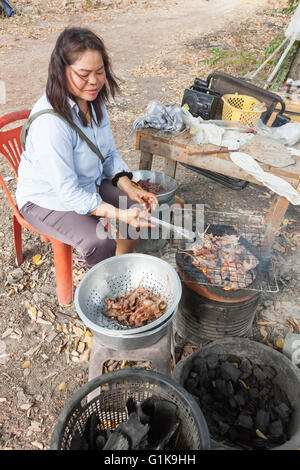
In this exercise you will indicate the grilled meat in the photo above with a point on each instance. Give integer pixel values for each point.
(136, 309)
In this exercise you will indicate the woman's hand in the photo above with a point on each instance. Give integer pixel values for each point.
(144, 198)
(135, 217)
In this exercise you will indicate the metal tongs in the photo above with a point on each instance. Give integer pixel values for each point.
(181, 231)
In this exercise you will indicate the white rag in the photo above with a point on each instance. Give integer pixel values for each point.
(276, 184)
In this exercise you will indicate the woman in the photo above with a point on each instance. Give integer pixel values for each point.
(63, 186)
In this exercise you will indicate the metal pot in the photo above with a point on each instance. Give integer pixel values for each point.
(168, 184)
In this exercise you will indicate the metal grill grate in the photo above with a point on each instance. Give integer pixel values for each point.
(250, 228)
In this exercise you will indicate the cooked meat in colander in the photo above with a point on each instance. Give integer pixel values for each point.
(138, 308)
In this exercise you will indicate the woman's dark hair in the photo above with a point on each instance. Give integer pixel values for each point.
(70, 44)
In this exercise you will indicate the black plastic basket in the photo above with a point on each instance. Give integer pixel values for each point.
(288, 377)
(113, 389)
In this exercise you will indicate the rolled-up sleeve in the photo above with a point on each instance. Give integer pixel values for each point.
(57, 164)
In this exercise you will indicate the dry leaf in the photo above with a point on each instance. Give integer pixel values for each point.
(12, 292)
(33, 350)
(7, 332)
(31, 284)
(84, 357)
(43, 322)
(279, 343)
(88, 338)
(67, 353)
(78, 331)
(288, 221)
(26, 406)
(62, 386)
(62, 345)
(25, 364)
(293, 323)
(36, 258)
(81, 347)
(37, 444)
(32, 312)
(64, 328)
(260, 434)
(244, 384)
(263, 332)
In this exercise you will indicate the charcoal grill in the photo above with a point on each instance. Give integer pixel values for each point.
(250, 228)
(209, 312)
(190, 273)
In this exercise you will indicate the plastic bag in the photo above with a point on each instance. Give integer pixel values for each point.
(215, 132)
(159, 116)
(6, 7)
(288, 134)
(273, 182)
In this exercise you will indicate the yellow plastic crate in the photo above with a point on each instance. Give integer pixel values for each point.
(242, 108)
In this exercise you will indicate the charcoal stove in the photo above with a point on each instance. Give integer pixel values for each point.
(211, 309)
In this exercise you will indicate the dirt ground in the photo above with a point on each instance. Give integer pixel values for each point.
(157, 49)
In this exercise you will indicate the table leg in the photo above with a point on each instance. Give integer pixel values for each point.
(273, 219)
(170, 167)
(146, 161)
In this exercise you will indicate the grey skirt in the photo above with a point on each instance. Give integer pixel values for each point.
(87, 232)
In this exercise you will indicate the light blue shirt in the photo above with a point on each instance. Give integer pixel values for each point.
(58, 170)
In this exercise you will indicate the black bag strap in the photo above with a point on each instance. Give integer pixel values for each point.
(28, 122)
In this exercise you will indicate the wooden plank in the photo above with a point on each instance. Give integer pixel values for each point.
(274, 217)
(218, 164)
(146, 160)
(273, 220)
(174, 151)
(137, 141)
(170, 167)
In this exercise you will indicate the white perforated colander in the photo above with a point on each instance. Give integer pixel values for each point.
(115, 277)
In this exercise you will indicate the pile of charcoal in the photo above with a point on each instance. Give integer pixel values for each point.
(150, 425)
(243, 405)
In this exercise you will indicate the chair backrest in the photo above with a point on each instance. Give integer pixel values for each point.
(10, 146)
(227, 84)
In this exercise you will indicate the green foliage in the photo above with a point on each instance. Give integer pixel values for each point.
(273, 45)
(284, 68)
(234, 60)
(292, 5)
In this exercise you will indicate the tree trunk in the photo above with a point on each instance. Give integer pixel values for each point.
(294, 71)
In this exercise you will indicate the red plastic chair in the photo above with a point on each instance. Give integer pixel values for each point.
(10, 148)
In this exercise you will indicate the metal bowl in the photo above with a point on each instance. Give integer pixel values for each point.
(115, 277)
(168, 184)
(125, 342)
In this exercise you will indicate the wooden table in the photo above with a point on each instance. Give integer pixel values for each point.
(180, 147)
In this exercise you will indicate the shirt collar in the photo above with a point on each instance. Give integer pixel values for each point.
(72, 103)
